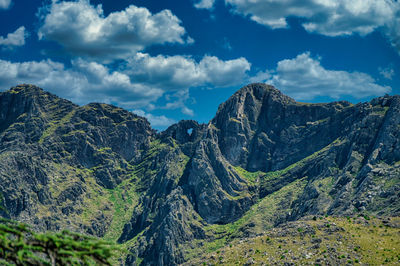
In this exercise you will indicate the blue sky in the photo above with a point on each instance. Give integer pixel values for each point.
(171, 60)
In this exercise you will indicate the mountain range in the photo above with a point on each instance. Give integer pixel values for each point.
(264, 161)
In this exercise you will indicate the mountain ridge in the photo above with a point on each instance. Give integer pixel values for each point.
(263, 160)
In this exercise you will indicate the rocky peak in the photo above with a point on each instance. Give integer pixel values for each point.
(33, 94)
(384, 101)
(31, 100)
(29, 89)
(245, 105)
(30, 110)
(260, 128)
(100, 113)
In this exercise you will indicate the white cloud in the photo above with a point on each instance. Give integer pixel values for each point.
(224, 73)
(5, 4)
(84, 82)
(83, 29)
(16, 38)
(387, 72)
(205, 4)
(156, 121)
(175, 72)
(356, 16)
(261, 76)
(327, 17)
(303, 78)
(138, 84)
(178, 100)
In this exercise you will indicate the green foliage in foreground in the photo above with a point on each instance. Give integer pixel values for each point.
(19, 245)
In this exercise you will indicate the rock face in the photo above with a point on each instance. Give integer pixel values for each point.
(263, 160)
(56, 155)
(262, 129)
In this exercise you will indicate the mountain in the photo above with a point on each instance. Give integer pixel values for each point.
(263, 161)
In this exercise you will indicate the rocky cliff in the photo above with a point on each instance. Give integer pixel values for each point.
(263, 160)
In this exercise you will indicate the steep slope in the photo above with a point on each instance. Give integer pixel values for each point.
(263, 160)
(300, 159)
(262, 129)
(59, 161)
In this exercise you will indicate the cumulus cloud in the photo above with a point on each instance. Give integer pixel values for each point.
(176, 72)
(84, 82)
(205, 4)
(304, 78)
(156, 121)
(83, 30)
(327, 17)
(5, 4)
(261, 76)
(16, 38)
(178, 100)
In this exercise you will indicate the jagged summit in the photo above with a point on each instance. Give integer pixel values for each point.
(26, 88)
(258, 89)
(34, 93)
(263, 160)
(248, 101)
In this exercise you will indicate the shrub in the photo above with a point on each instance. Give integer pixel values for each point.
(19, 245)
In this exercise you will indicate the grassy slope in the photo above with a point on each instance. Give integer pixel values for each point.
(275, 207)
(261, 216)
(325, 240)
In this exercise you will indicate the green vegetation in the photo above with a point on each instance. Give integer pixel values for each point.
(271, 178)
(145, 170)
(313, 123)
(124, 199)
(54, 125)
(74, 132)
(105, 150)
(260, 217)
(263, 215)
(19, 245)
(380, 110)
(252, 177)
(311, 241)
(114, 205)
(234, 120)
